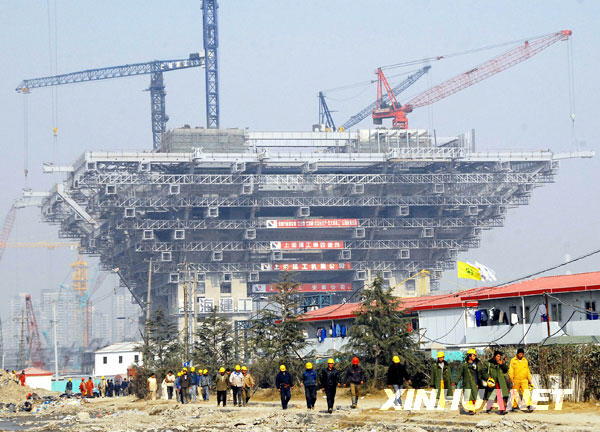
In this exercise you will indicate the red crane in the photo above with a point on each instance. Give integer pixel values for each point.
(33, 335)
(485, 70)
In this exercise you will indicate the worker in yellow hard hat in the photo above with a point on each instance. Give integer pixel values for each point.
(441, 378)
(69, 387)
(204, 381)
(194, 383)
(309, 379)
(396, 376)
(329, 380)
(470, 376)
(520, 376)
(236, 381)
(103, 386)
(249, 384)
(222, 384)
(284, 383)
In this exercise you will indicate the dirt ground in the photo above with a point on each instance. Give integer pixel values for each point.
(264, 414)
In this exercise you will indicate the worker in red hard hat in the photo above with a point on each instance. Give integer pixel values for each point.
(22, 378)
(82, 388)
(355, 377)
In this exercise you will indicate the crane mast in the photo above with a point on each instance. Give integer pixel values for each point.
(211, 43)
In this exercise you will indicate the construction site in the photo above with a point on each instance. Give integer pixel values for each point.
(213, 217)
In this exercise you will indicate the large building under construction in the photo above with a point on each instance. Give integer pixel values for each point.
(218, 216)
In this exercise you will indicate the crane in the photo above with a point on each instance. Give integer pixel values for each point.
(33, 335)
(395, 91)
(154, 68)
(7, 227)
(211, 43)
(324, 113)
(485, 70)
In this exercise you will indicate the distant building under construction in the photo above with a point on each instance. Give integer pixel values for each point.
(221, 214)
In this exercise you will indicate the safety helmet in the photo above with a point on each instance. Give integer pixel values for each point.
(193, 369)
(179, 373)
(70, 379)
(355, 361)
(491, 382)
(330, 361)
(441, 354)
(237, 367)
(282, 368)
(185, 369)
(472, 351)
(309, 365)
(205, 371)
(221, 370)
(396, 359)
(102, 378)
(244, 368)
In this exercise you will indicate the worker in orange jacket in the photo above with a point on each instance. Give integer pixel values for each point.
(82, 388)
(89, 387)
(520, 375)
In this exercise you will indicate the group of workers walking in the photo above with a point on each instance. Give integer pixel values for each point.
(104, 388)
(19, 378)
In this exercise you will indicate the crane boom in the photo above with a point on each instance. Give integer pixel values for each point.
(485, 70)
(9, 221)
(33, 335)
(211, 43)
(365, 112)
(153, 68)
(324, 113)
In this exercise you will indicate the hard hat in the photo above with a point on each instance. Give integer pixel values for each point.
(102, 378)
(309, 365)
(237, 367)
(244, 368)
(179, 373)
(222, 369)
(441, 354)
(396, 359)
(330, 361)
(355, 361)
(193, 369)
(472, 351)
(185, 369)
(491, 382)
(205, 371)
(282, 368)
(69, 379)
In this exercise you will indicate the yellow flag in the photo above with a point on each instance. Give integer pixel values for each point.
(467, 271)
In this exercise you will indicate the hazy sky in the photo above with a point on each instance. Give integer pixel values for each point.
(274, 56)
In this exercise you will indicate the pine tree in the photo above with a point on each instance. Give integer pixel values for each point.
(162, 348)
(379, 330)
(214, 342)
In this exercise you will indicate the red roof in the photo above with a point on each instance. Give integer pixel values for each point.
(549, 284)
(469, 298)
(33, 371)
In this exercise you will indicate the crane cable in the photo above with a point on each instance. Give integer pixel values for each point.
(53, 62)
(571, 84)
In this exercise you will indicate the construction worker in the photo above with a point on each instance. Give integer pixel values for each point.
(222, 384)
(441, 378)
(152, 386)
(178, 387)
(355, 377)
(22, 378)
(309, 379)
(82, 388)
(396, 375)
(170, 383)
(329, 381)
(184, 385)
(205, 383)
(520, 375)
(284, 383)
(236, 380)
(69, 387)
(89, 387)
(249, 384)
(471, 376)
(497, 389)
(102, 387)
(194, 381)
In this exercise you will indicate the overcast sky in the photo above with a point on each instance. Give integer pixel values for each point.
(274, 57)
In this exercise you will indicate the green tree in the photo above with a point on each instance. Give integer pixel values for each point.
(379, 331)
(214, 342)
(162, 348)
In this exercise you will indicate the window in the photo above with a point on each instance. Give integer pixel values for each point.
(136, 358)
(245, 305)
(226, 304)
(410, 287)
(526, 314)
(120, 359)
(104, 360)
(556, 312)
(200, 288)
(591, 307)
(225, 287)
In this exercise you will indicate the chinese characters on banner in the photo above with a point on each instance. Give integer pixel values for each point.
(311, 223)
(305, 266)
(292, 245)
(316, 287)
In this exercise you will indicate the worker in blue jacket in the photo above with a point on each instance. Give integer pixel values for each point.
(309, 378)
(284, 383)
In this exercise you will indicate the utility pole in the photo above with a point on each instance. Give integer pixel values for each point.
(186, 332)
(21, 363)
(547, 314)
(54, 337)
(147, 324)
(523, 319)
